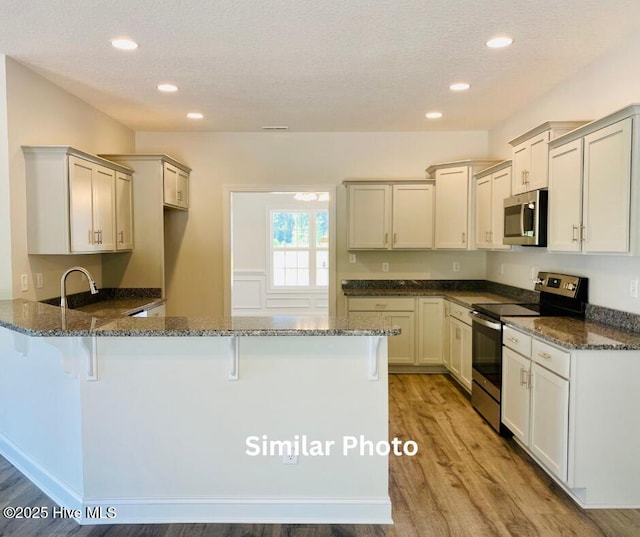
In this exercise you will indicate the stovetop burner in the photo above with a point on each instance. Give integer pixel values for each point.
(498, 311)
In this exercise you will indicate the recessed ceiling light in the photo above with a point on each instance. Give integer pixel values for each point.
(433, 115)
(500, 41)
(167, 88)
(459, 86)
(123, 43)
(275, 128)
(195, 115)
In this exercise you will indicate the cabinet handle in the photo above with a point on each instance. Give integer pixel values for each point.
(523, 377)
(395, 238)
(386, 238)
(526, 177)
(512, 339)
(544, 355)
(100, 236)
(575, 230)
(96, 237)
(121, 235)
(381, 306)
(464, 237)
(179, 195)
(583, 233)
(522, 177)
(490, 236)
(530, 380)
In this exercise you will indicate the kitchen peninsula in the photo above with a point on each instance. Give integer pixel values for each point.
(151, 417)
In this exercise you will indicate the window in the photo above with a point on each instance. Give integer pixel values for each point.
(300, 249)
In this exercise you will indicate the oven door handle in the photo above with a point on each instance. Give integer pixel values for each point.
(485, 322)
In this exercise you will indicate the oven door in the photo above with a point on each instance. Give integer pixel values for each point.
(486, 354)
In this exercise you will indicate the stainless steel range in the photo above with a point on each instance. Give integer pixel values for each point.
(560, 295)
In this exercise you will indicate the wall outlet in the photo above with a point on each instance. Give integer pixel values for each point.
(39, 280)
(456, 266)
(633, 289)
(24, 282)
(385, 267)
(352, 258)
(289, 458)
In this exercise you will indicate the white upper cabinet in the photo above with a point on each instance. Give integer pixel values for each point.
(455, 203)
(71, 201)
(124, 211)
(530, 155)
(390, 216)
(591, 193)
(493, 185)
(176, 186)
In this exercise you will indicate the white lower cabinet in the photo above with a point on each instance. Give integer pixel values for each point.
(401, 312)
(573, 411)
(515, 395)
(421, 322)
(430, 331)
(535, 398)
(549, 419)
(460, 344)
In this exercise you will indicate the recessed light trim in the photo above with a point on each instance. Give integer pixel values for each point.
(275, 128)
(434, 115)
(459, 86)
(195, 115)
(167, 88)
(500, 41)
(124, 43)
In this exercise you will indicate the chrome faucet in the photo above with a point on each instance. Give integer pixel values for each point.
(63, 284)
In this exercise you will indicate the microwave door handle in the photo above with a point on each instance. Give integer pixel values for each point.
(522, 219)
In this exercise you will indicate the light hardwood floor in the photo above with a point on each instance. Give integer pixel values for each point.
(465, 481)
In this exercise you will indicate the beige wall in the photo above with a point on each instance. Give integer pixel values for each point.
(5, 213)
(603, 87)
(217, 159)
(41, 113)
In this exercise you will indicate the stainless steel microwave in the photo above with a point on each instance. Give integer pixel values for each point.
(525, 219)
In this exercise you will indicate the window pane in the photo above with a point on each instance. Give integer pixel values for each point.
(303, 277)
(322, 229)
(303, 260)
(278, 277)
(322, 268)
(278, 260)
(290, 229)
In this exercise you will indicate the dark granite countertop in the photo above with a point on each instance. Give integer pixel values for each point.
(38, 319)
(577, 334)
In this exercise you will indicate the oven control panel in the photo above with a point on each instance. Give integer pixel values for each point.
(560, 284)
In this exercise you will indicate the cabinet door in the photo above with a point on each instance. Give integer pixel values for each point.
(465, 365)
(369, 216)
(538, 172)
(520, 162)
(565, 197)
(170, 185)
(81, 205)
(182, 189)
(446, 352)
(124, 212)
(607, 189)
(455, 346)
(515, 395)
(452, 198)
(412, 216)
(550, 420)
(402, 346)
(500, 189)
(104, 208)
(430, 331)
(483, 212)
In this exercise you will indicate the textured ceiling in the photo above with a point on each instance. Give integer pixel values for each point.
(331, 65)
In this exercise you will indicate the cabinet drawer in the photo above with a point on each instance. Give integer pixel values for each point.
(460, 312)
(381, 304)
(550, 357)
(517, 341)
